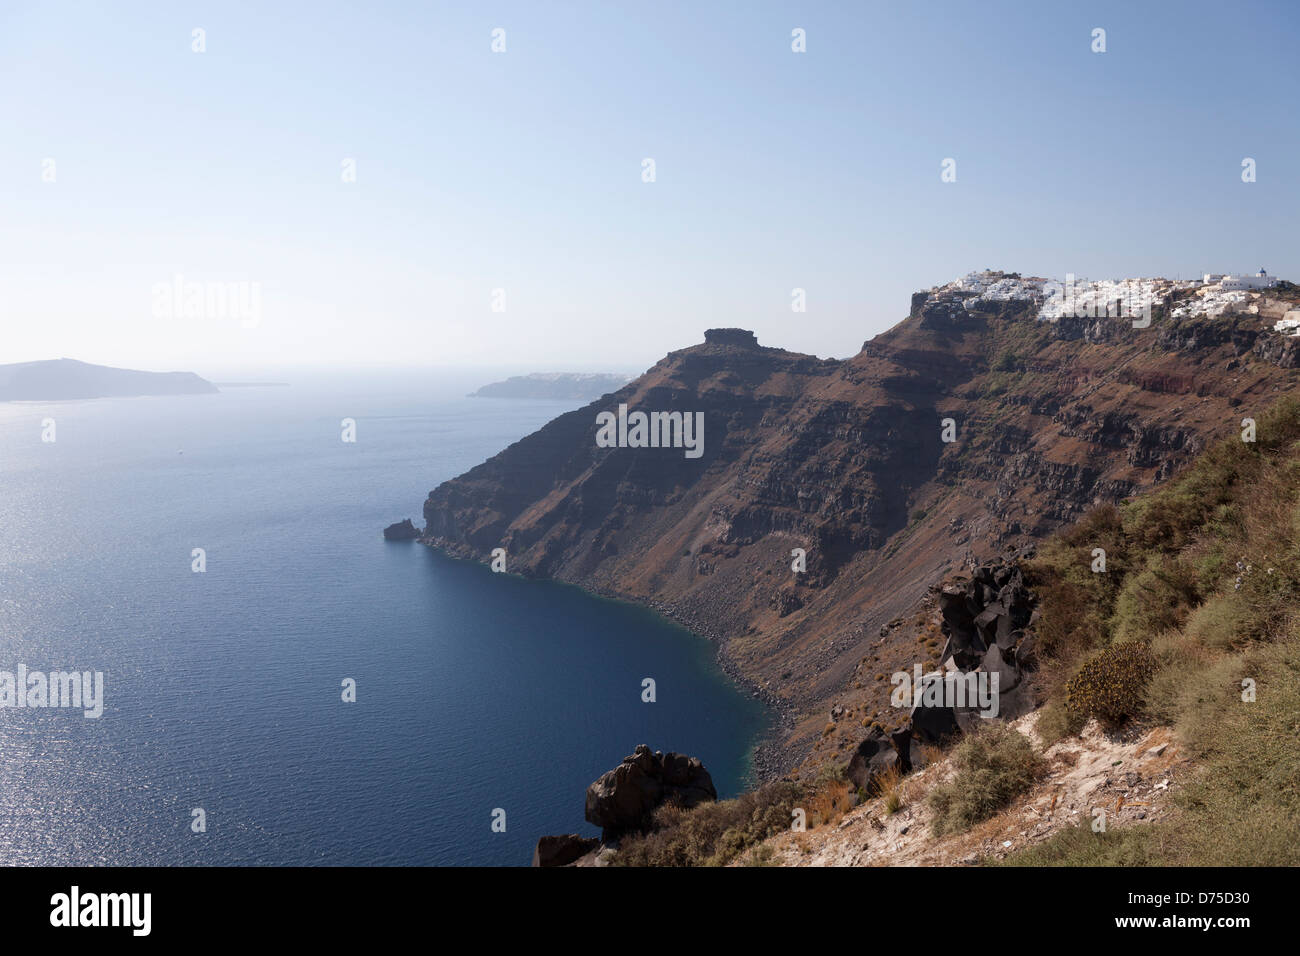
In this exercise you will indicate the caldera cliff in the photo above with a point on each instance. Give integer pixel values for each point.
(970, 429)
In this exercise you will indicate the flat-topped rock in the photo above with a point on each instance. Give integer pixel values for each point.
(740, 337)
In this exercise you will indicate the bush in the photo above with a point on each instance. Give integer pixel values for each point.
(1075, 602)
(1156, 599)
(712, 834)
(1056, 722)
(1242, 808)
(1219, 623)
(994, 766)
(1111, 685)
(1179, 662)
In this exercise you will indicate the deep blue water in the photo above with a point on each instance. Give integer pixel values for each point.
(475, 690)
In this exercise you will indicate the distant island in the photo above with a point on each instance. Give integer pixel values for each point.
(64, 379)
(584, 386)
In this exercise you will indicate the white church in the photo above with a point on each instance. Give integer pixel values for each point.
(1260, 280)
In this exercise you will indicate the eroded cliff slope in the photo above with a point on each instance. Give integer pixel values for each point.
(847, 461)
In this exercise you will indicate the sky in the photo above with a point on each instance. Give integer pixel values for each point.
(500, 213)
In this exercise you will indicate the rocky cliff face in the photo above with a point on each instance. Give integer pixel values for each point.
(850, 461)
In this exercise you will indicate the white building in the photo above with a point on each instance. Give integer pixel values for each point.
(1260, 280)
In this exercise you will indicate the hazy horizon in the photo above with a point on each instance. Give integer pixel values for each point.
(379, 184)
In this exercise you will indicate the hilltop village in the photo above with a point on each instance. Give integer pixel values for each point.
(1213, 295)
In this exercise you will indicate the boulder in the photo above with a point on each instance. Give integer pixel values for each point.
(872, 757)
(994, 663)
(986, 622)
(911, 753)
(952, 605)
(932, 725)
(562, 850)
(1025, 650)
(1008, 639)
(626, 797)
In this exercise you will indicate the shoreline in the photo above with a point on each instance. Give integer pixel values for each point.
(771, 758)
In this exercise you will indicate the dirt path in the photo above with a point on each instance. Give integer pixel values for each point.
(1131, 779)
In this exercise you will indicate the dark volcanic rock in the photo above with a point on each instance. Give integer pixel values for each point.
(562, 850)
(402, 531)
(987, 620)
(626, 797)
(741, 337)
(874, 756)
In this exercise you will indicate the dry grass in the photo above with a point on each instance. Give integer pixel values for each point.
(712, 834)
(994, 767)
(889, 786)
(1210, 579)
(828, 803)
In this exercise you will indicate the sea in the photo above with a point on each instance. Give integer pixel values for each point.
(281, 686)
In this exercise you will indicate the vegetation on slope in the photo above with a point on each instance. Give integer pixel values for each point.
(1194, 623)
(994, 767)
(713, 834)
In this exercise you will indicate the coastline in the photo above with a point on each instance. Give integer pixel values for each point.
(772, 758)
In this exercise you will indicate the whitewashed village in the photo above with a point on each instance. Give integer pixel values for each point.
(1214, 294)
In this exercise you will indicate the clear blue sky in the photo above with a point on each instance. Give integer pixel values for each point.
(522, 170)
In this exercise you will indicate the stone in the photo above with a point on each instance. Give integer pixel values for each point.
(933, 725)
(738, 337)
(626, 797)
(1025, 650)
(873, 756)
(401, 531)
(993, 663)
(562, 850)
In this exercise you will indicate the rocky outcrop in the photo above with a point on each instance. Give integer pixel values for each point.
(739, 337)
(877, 755)
(987, 620)
(626, 797)
(403, 530)
(563, 850)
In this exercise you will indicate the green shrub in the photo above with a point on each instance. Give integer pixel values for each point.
(1221, 622)
(1156, 599)
(1241, 804)
(1111, 685)
(712, 834)
(1056, 722)
(1074, 601)
(994, 766)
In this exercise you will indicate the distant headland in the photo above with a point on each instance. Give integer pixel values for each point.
(64, 379)
(579, 386)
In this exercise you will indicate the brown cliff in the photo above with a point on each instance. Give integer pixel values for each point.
(845, 459)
